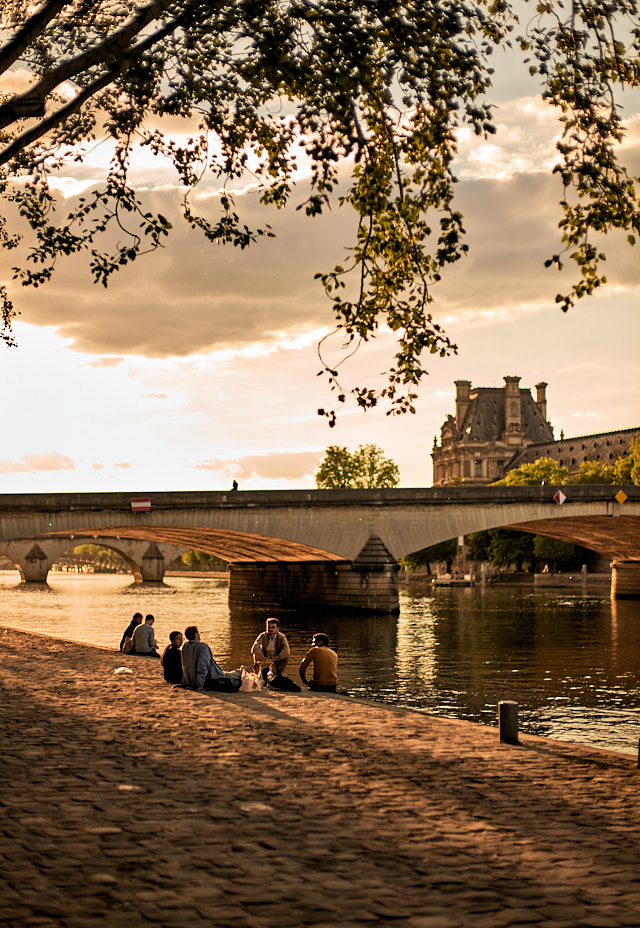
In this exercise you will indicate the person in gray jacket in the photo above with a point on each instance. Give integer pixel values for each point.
(200, 671)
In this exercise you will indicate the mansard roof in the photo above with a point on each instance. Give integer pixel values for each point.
(571, 452)
(484, 419)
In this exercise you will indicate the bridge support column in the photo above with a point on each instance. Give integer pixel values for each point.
(625, 580)
(35, 566)
(152, 565)
(369, 584)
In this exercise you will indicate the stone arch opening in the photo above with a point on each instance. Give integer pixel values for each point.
(99, 544)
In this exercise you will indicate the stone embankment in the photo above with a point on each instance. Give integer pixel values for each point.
(127, 803)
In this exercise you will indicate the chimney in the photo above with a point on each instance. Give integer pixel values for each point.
(541, 399)
(463, 388)
(512, 405)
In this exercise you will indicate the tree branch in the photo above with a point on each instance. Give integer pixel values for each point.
(119, 64)
(33, 28)
(32, 101)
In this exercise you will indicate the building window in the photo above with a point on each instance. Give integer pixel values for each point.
(477, 468)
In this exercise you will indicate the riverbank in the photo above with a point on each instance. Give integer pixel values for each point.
(127, 802)
(590, 582)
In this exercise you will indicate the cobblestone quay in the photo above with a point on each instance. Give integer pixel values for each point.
(126, 803)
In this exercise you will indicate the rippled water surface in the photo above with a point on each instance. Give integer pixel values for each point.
(572, 662)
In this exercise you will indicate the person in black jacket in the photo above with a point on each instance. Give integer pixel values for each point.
(172, 659)
(129, 630)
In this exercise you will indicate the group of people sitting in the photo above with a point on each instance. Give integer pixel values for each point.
(191, 664)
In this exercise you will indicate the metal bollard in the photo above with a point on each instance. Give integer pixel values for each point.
(508, 721)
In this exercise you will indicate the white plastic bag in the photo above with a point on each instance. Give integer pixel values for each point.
(251, 682)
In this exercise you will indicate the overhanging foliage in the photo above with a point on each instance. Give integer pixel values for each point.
(381, 87)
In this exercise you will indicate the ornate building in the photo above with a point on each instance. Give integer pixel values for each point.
(498, 428)
(491, 426)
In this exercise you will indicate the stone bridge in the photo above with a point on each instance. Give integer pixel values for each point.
(297, 548)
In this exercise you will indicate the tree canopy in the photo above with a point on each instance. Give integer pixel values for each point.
(364, 468)
(374, 92)
(544, 470)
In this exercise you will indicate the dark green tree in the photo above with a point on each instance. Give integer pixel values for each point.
(478, 544)
(375, 90)
(553, 551)
(508, 547)
(443, 551)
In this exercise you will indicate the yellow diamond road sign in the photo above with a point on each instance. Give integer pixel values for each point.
(620, 497)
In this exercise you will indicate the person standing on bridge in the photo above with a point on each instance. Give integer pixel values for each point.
(270, 649)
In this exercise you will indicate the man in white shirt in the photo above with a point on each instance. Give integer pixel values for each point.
(270, 649)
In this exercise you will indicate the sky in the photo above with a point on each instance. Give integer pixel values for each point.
(197, 366)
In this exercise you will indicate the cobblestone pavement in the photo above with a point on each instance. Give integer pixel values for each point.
(127, 803)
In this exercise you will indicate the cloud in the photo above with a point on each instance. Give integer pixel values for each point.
(36, 463)
(156, 396)
(275, 465)
(193, 297)
(96, 466)
(123, 464)
(107, 362)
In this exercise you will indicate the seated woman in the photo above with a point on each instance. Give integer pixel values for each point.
(172, 659)
(131, 627)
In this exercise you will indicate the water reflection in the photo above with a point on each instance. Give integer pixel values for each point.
(570, 660)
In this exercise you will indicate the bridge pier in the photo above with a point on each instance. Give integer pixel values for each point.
(369, 584)
(35, 566)
(625, 580)
(152, 565)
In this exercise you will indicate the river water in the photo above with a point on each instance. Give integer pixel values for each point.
(571, 661)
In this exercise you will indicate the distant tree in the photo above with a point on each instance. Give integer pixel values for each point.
(544, 470)
(335, 469)
(553, 551)
(478, 544)
(592, 472)
(374, 94)
(508, 547)
(199, 560)
(627, 469)
(99, 557)
(443, 551)
(365, 468)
